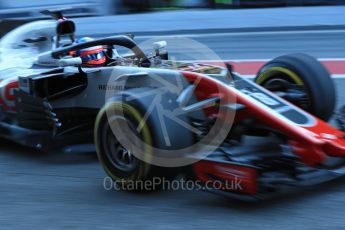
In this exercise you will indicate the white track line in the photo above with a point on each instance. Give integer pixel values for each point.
(196, 35)
(335, 76)
(259, 60)
(338, 76)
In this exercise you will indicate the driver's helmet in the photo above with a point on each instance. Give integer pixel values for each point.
(92, 56)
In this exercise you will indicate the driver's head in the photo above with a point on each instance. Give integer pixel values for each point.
(92, 56)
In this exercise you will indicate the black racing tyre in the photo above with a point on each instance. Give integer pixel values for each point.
(118, 161)
(303, 81)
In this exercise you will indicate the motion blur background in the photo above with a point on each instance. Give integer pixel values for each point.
(65, 190)
(29, 8)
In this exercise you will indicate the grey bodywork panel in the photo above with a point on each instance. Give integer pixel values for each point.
(106, 82)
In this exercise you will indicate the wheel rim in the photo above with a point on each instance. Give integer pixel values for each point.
(120, 157)
(286, 88)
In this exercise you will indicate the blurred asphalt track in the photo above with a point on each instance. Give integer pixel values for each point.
(61, 190)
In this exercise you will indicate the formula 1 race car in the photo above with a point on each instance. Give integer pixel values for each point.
(151, 117)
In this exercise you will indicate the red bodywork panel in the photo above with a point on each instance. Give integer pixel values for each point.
(7, 98)
(226, 177)
(312, 143)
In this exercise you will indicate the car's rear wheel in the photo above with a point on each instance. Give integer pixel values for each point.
(303, 81)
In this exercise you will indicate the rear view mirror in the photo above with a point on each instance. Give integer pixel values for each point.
(35, 39)
(159, 45)
(70, 62)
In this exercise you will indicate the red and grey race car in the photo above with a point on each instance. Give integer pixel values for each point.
(149, 116)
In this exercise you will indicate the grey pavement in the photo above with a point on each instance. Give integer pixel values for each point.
(251, 45)
(235, 34)
(191, 21)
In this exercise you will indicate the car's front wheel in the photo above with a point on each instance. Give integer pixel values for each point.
(128, 131)
(303, 81)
